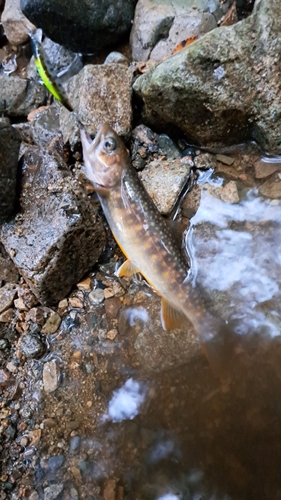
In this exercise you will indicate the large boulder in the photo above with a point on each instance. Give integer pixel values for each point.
(223, 88)
(82, 25)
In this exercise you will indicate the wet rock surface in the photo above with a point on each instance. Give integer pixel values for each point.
(89, 92)
(19, 96)
(9, 146)
(58, 231)
(15, 24)
(218, 89)
(97, 25)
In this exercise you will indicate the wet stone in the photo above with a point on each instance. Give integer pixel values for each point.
(20, 95)
(31, 346)
(157, 175)
(53, 491)
(205, 161)
(110, 489)
(59, 235)
(96, 296)
(167, 147)
(74, 444)
(7, 295)
(46, 126)
(52, 323)
(227, 160)
(229, 193)
(7, 316)
(55, 462)
(271, 188)
(6, 379)
(264, 169)
(51, 376)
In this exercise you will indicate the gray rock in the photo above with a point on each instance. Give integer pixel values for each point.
(46, 126)
(52, 492)
(160, 26)
(15, 24)
(51, 376)
(31, 346)
(7, 295)
(61, 58)
(98, 93)
(9, 147)
(19, 96)
(96, 296)
(55, 462)
(158, 174)
(167, 147)
(219, 89)
(97, 24)
(59, 235)
(116, 57)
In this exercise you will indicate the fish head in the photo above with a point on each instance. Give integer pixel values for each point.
(105, 158)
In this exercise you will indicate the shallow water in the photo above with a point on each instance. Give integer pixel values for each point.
(151, 416)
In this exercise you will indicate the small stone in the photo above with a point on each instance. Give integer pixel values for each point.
(74, 444)
(11, 367)
(10, 432)
(52, 323)
(34, 437)
(204, 161)
(51, 376)
(229, 193)
(108, 292)
(117, 289)
(227, 160)
(19, 304)
(6, 380)
(112, 307)
(7, 316)
(55, 462)
(8, 271)
(85, 284)
(112, 334)
(97, 296)
(76, 302)
(264, 169)
(76, 473)
(7, 295)
(116, 57)
(109, 489)
(53, 491)
(36, 315)
(33, 496)
(271, 188)
(31, 346)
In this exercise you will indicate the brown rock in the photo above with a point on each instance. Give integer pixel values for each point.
(109, 489)
(52, 323)
(229, 193)
(112, 307)
(76, 302)
(51, 376)
(7, 316)
(271, 188)
(7, 295)
(263, 169)
(112, 334)
(85, 284)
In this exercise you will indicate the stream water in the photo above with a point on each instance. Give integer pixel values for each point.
(144, 417)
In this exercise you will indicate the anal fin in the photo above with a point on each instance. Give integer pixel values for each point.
(126, 269)
(171, 318)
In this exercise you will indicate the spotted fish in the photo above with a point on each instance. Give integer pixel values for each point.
(143, 234)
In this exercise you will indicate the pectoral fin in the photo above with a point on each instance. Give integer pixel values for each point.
(127, 269)
(171, 318)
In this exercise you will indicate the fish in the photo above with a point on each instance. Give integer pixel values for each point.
(50, 80)
(144, 236)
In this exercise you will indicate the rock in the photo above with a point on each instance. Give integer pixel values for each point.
(219, 90)
(85, 285)
(97, 24)
(9, 147)
(55, 462)
(76, 302)
(158, 175)
(264, 169)
(8, 271)
(191, 202)
(15, 24)
(159, 27)
(31, 346)
(204, 161)
(7, 295)
(59, 235)
(270, 188)
(19, 304)
(112, 334)
(52, 492)
(52, 323)
(46, 126)
(227, 160)
(167, 147)
(116, 57)
(96, 296)
(229, 193)
(60, 58)
(100, 93)
(19, 96)
(6, 379)
(7, 316)
(51, 376)
(109, 489)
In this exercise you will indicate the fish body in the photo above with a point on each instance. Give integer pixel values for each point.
(47, 75)
(142, 233)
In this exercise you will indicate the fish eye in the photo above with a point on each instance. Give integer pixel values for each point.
(110, 144)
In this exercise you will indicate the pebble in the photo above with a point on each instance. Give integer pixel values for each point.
(227, 160)
(31, 346)
(7, 316)
(112, 307)
(6, 380)
(74, 444)
(19, 304)
(229, 193)
(36, 315)
(55, 462)
(167, 147)
(11, 367)
(51, 376)
(116, 57)
(85, 285)
(53, 491)
(34, 437)
(76, 302)
(52, 323)
(204, 161)
(7, 295)
(108, 293)
(109, 489)
(263, 169)
(112, 334)
(97, 296)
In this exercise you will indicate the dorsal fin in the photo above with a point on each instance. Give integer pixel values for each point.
(171, 318)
